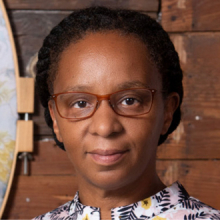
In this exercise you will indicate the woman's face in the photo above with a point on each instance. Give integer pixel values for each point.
(110, 151)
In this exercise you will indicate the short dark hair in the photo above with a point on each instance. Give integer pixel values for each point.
(101, 19)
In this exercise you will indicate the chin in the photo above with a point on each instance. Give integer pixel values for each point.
(112, 180)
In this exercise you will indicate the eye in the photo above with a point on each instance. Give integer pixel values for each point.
(130, 101)
(80, 104)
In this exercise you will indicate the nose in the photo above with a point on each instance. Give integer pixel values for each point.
(105, 122)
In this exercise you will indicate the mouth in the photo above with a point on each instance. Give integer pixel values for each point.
(107, 157)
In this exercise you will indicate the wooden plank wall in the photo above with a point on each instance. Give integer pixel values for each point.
(191, 154)
(195, 147)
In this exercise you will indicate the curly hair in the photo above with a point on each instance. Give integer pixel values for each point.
(101, 19)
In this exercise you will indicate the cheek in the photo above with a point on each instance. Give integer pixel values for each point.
(73, 135)
(146, 130)
(145, 136)
(73, 142)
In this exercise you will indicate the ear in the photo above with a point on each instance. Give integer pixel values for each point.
(54, 115)
(170, 106)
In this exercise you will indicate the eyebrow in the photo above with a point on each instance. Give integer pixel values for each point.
(78, 88)
(125, 85)
(132, 84)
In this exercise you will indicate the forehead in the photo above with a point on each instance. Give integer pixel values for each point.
(109, 60)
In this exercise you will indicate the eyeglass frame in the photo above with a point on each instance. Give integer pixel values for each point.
(99, 99)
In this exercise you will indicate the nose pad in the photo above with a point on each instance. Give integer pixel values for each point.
(109, 102)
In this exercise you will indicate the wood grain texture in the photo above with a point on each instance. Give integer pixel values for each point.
(48, 159)
(31, 196)
(198, 136)
(37, 194)
(25, 95)
(143, 5)
(24, 136)
(190, 15)
(200, 177)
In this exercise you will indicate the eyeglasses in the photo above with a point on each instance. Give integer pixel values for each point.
(82, 105)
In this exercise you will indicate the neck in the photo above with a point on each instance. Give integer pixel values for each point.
(106, 199)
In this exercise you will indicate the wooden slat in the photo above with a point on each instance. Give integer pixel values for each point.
(177, 15)
(199, 134)
(48, 159)
(24, 136)
(34, 195)
(144, 5)
(25, 95)
(200, 178)
(190, 15)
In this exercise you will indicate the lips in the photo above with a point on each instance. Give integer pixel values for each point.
(107, 157)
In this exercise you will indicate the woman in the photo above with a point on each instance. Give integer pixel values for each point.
(111, 85)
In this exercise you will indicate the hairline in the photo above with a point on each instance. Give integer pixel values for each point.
(53, 69)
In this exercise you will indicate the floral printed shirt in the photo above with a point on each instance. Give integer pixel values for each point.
(172, 203)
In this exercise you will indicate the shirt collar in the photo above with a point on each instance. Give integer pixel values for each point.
(146, 208)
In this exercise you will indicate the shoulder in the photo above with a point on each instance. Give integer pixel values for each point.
(59, 213)
(192, 209)
(203, 211)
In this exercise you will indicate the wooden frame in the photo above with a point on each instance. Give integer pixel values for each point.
(25, 104)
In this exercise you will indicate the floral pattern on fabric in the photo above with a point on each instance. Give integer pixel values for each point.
(172, 203)
(146, 203)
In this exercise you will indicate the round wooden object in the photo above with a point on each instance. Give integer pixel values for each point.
(8, 106)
